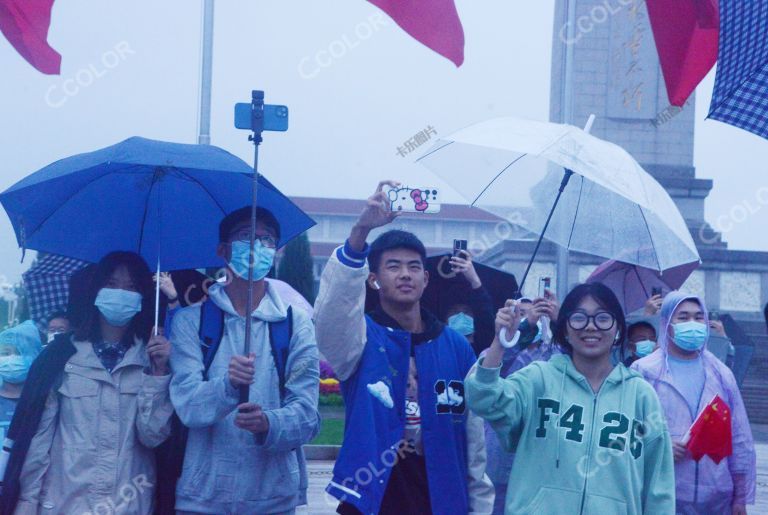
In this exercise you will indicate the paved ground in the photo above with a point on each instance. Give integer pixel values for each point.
(320, 474)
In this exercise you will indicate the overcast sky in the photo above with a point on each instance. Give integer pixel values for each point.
(133, 69)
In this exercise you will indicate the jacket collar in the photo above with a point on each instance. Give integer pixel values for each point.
(432, 326)
(86, 357)
(270, 309)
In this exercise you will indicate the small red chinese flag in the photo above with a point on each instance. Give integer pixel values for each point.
(25, 23)
(711, 432)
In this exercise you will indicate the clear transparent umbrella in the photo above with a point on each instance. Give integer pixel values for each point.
(610, 207)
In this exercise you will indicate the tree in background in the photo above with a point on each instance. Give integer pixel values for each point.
(296, 267)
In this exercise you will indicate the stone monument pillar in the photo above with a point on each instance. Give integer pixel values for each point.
(617, 76)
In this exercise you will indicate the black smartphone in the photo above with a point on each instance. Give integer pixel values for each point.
(714, 315)
(655, 291)
(458, 246)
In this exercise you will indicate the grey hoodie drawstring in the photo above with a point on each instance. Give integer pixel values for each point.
(562, 392)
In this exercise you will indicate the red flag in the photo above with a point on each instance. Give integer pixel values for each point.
(711, 432)
(687, 34)
(25, 23)
(435, 23)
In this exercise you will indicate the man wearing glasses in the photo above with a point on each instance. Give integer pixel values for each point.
(244, 458)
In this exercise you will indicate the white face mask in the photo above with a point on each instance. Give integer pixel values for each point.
(118, 306)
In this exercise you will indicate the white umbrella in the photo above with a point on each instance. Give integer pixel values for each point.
(610, 208)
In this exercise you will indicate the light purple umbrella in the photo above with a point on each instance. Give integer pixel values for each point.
(290, 295)
(634, 284)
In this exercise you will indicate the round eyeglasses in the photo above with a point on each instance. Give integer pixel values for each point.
(266, 240)
(603, 320)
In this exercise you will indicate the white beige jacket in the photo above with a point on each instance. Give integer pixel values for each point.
(92, 452)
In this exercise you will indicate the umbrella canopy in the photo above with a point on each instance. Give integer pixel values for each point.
(610, 208)
(161, 200)
(633, 284)
(686, 34)
(740, 97)
(446, 288)
(47, 285)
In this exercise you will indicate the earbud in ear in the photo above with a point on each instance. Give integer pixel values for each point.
(376, 285)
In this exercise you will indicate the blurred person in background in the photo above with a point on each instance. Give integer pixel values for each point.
(19, 346)
(58, 323)
(471, 317)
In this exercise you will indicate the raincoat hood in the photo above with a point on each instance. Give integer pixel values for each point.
(25, 337)
(668, 307)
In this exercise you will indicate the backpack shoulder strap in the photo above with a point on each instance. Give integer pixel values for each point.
(211, 331)
(280, 334)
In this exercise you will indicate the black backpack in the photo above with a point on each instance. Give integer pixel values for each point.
(170, 455)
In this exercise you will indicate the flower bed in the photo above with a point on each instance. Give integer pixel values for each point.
(330, 391)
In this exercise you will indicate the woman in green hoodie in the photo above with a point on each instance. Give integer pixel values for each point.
(589, 437)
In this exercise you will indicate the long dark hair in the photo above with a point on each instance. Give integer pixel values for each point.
(605, 298)
(85, 314)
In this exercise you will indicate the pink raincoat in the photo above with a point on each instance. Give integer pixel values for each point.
(703, 487)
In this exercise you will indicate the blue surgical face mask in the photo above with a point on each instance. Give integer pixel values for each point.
(644, 347)
(462, 324)
(118, 306)
(690, 336)
(13, 369)
(263, 258)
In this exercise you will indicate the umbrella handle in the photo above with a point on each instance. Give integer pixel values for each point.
(590, 122)
(157, 297)
(508, 344)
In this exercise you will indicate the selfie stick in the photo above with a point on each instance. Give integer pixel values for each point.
(566, 177)
(257, 126)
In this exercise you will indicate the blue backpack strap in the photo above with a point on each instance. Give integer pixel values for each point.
(211, 331)
(280, 334)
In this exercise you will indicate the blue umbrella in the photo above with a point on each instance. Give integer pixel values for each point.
(740, 97)
(162, 200)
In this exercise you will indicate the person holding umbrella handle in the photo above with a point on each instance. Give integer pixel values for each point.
(96, 404)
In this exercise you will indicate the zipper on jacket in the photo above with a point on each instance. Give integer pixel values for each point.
(589, 451)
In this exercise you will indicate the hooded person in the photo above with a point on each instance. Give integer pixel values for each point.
(686, 376)
(19, 346)
(588, 436)
(244, 457)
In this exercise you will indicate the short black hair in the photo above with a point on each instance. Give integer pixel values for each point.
(640, 324)
(55, 315)
(244, 215)
(392, 240)
(607, 300)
